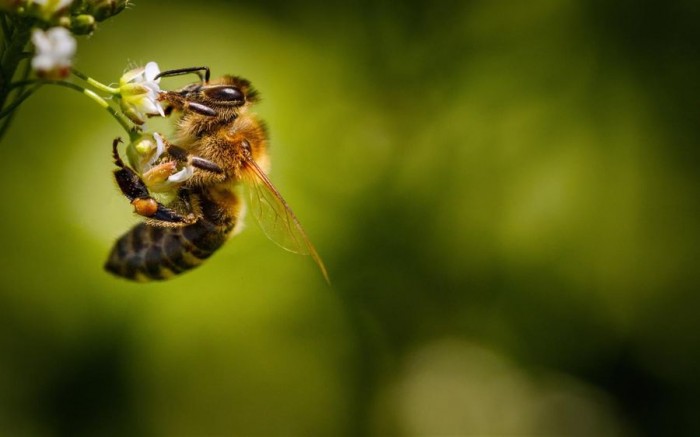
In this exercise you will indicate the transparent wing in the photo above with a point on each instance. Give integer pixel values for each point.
(276, 218)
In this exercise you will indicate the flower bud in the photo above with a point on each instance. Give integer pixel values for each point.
(80, 24)
(103, 9)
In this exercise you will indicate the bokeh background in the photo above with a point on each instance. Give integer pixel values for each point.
(505, 193)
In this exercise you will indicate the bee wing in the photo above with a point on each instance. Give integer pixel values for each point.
(275, 217)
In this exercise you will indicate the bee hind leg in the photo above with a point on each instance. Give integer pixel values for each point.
(134, 189)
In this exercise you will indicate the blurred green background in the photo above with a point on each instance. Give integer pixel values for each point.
(505, 193)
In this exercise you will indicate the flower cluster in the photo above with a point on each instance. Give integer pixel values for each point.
(47, 30)
(66, 12)
(54, 22)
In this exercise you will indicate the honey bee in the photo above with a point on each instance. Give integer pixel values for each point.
(225, 144)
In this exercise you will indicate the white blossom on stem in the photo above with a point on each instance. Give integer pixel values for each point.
(55, 49)
(145, 151)
(138, 89)
(160, 175)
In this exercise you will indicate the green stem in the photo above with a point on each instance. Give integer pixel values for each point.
(22, 83)
(99, 85)
(133, 131)
(16, 34)
(18, 101)
(123, 121)
(6, 124)
(5, 27)
(20, 90)
(11, 57)
(10, 108)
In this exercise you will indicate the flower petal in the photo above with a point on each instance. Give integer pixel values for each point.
(182, 175)
(152, 71)
(134, 90)
(131, 75)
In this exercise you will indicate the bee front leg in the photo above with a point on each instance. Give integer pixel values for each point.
(133, 187)
(205, 164)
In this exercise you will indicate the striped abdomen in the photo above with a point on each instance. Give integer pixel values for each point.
(150, 252)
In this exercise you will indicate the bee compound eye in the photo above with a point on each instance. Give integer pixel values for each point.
(225, 93)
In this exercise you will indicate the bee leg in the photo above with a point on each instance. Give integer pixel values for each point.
(184, 196)
(200, 109)
(133, 187)
(182, 155)
(205, 164)
(178, 153)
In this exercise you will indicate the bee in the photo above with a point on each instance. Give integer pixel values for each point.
(225, 144)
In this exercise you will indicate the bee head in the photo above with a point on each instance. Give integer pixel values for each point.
(222, 97)
(230, 90)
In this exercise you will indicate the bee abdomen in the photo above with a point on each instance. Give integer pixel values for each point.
(148, 252)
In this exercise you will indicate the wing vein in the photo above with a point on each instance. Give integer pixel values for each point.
(276, 218)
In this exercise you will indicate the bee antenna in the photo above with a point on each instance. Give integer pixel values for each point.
(188, 70)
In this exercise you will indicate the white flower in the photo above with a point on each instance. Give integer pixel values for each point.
(139, 90)
(145, 151)
(54, 52)
(160, 177)
(48, 8)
